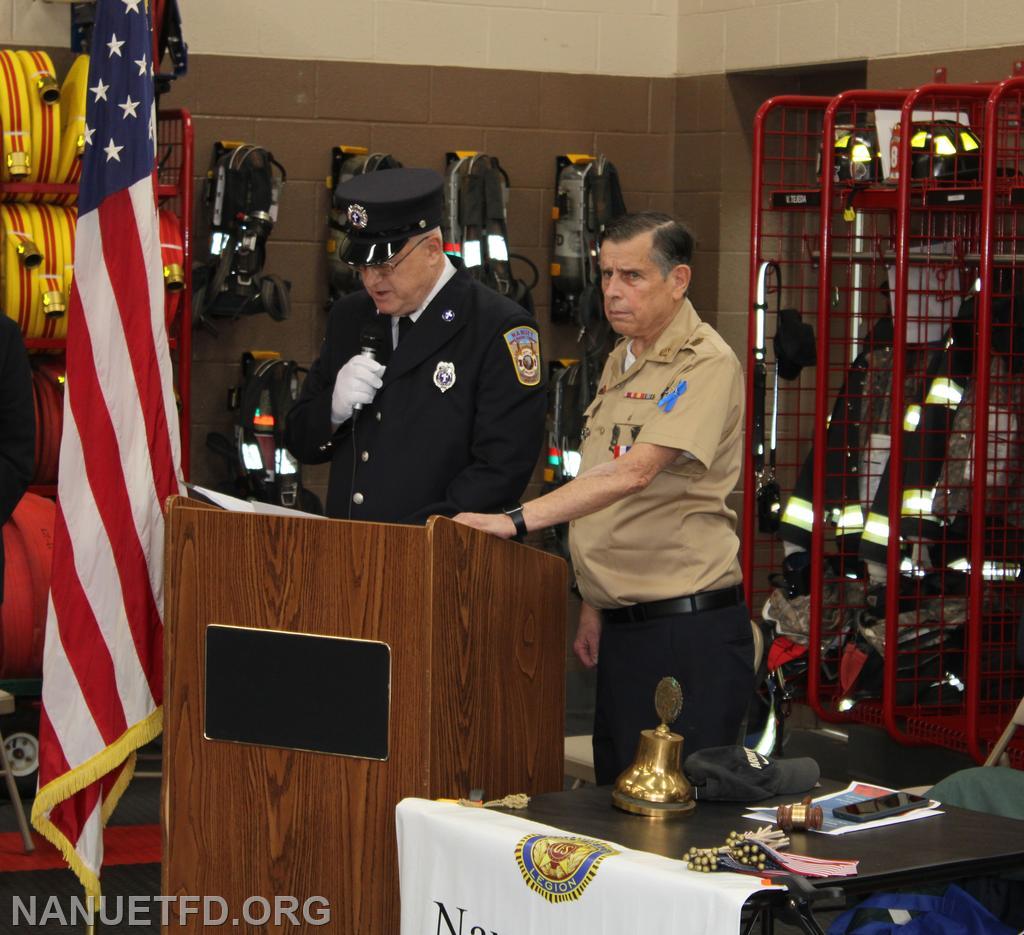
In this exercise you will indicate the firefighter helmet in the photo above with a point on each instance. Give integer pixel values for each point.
(945, 150)
(856, 156)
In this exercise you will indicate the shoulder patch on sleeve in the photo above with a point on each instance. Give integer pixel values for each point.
(523, 344)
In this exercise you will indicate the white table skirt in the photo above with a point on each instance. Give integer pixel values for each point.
(471, 871)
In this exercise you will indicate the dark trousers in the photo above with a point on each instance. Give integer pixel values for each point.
(710, 654)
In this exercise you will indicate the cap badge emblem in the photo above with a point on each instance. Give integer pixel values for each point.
(444, 375)
(358, 217)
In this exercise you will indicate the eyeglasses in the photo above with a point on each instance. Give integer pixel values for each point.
(388, 269)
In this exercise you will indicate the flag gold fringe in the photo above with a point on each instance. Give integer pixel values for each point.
(119, 755)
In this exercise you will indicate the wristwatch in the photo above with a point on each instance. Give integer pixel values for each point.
(515, 513)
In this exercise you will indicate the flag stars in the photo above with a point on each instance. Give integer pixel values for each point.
(100, 90)
(129, 107)
(131, 6)
(112, 151)
(87, 133)
(115, 46)
(143, 65)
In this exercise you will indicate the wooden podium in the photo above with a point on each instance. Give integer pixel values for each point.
(476, 630)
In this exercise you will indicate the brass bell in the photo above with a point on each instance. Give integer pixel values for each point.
(655, 785)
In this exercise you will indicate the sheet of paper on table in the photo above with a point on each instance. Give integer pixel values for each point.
(854, 792)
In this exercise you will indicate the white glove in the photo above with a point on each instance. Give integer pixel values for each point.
(357, 382)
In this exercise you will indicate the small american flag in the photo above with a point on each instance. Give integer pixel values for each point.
(779, 862)
(119, 460)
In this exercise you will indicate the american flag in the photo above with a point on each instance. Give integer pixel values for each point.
(119, 461)
(780, 863)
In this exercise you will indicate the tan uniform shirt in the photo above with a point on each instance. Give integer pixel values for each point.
(676, 537)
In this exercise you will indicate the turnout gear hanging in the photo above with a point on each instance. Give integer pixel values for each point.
(242, 194)
(346, 163)
(587, 197)
(261, 466)
(937, 432)
(475, 224)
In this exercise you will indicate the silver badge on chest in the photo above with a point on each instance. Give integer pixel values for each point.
(444, 375)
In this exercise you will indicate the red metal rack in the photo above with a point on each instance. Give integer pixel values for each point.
(995, 650)
(856, 249)
(922, 532)
(900, 455)
(784, 231)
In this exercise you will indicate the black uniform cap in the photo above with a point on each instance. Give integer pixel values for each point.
(738, 774)
(381, 210)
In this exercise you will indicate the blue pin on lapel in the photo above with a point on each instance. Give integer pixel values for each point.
(668, 400)
(448, 315)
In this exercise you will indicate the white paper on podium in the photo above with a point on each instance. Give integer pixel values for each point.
(237, 505)
(459, 865)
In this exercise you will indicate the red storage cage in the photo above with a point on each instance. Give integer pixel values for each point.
(823, 516)
(916, 542)
(994, 680)
(785, 239)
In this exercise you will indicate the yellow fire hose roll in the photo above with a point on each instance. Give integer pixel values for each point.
(37, 320)
(44, 111)
(72, 134)
(66, 218)
(53, 303)
(16, 120)
(20, 256)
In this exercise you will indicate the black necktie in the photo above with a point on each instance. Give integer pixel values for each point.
(404, 324)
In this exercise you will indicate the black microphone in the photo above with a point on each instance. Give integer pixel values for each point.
(375, 343)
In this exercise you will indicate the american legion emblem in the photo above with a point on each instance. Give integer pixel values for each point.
(559, 869)
(444, 375)
(524, 346)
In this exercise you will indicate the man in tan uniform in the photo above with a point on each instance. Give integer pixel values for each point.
(653, 543)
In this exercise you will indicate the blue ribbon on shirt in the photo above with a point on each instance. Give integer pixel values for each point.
(667, 401)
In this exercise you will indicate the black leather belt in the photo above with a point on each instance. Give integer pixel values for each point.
(692, 604)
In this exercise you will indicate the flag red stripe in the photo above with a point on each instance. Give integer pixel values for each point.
(110, 491)
(71, 814)
(83, 642)
(50, 753)
(52, 762)
(120, 233)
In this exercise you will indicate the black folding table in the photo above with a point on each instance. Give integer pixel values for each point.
(951, 846)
